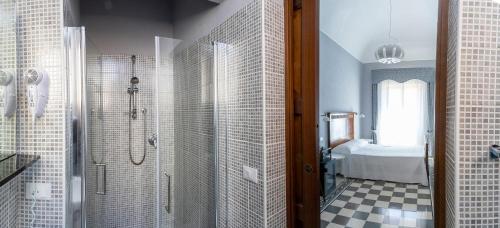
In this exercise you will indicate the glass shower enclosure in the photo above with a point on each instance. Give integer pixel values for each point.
(191, 94)
(148, 135)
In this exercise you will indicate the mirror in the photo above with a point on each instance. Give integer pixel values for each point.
(8, 79)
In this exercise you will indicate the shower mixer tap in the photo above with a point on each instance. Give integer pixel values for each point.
(133, 90)
(153, 141)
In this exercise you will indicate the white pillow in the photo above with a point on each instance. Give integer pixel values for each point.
(346, 148)
(361, 142)
(341, 149)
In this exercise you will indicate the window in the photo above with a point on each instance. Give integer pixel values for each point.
(402, 113)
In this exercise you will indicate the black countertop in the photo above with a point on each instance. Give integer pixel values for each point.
(5, 156)
(13, 165)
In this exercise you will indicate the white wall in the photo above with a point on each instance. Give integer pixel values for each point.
(123, 35)
(340, 76)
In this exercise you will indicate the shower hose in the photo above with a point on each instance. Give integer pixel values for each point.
(130, 133)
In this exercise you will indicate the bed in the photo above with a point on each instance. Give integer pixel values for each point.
(372, 161)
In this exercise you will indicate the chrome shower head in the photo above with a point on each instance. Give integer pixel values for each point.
(134, 80)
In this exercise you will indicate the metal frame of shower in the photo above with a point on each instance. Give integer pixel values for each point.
(75, 60)
(217, 47)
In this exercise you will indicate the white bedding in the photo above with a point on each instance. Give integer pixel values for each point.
(388, 163)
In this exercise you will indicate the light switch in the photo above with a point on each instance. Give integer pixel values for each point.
(39, 191)
(250, 174)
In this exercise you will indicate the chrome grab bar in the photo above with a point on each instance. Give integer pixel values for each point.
(167, 206)
(101, 179)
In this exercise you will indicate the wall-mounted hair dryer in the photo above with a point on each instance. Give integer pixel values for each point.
(37, 90)
(8, 82)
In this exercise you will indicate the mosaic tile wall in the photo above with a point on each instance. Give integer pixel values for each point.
(8, 202)
(478, 114)
(451, 150)
(130, 190)
(254, 116)
(274, 103)
(40, 44)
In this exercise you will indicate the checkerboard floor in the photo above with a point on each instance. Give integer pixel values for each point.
(367, 204)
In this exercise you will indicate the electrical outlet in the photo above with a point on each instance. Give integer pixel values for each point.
(250, 174)
(39, 191)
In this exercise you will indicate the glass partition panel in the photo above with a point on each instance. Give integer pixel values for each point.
(165, 130)
(190, 90)
(74, 43)
(8, 79)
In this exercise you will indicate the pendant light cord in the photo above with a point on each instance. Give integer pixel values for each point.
(390, 19)
(390, 22)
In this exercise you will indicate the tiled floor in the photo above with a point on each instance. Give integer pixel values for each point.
(367, 204)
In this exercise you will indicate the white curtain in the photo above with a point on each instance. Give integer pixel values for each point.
(402, 113)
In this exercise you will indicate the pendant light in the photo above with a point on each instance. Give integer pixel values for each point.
(389, 53)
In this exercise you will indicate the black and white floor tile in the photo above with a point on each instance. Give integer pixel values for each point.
(367, 204)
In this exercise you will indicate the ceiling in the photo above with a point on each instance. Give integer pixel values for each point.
(162, 10)
(361, 26)
(150, 9)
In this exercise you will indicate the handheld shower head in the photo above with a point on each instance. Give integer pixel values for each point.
(134, 80)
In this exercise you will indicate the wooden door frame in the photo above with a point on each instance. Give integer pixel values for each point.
(301, 83)
(302, 99)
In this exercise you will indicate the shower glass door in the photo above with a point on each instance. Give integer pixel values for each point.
(120, 164)
(190, 102)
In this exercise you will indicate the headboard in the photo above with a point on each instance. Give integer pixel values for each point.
(340, 128)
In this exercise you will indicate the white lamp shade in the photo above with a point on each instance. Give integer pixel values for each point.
(389, 54)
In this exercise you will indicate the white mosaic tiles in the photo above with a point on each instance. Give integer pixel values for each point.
(274, 103)
(8, 204)
(478, 107)
(40, 44)
(254, 117)
(473, 181)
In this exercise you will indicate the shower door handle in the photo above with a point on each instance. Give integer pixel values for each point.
(167, 205)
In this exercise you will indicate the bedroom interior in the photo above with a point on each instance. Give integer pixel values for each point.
(376, 104)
